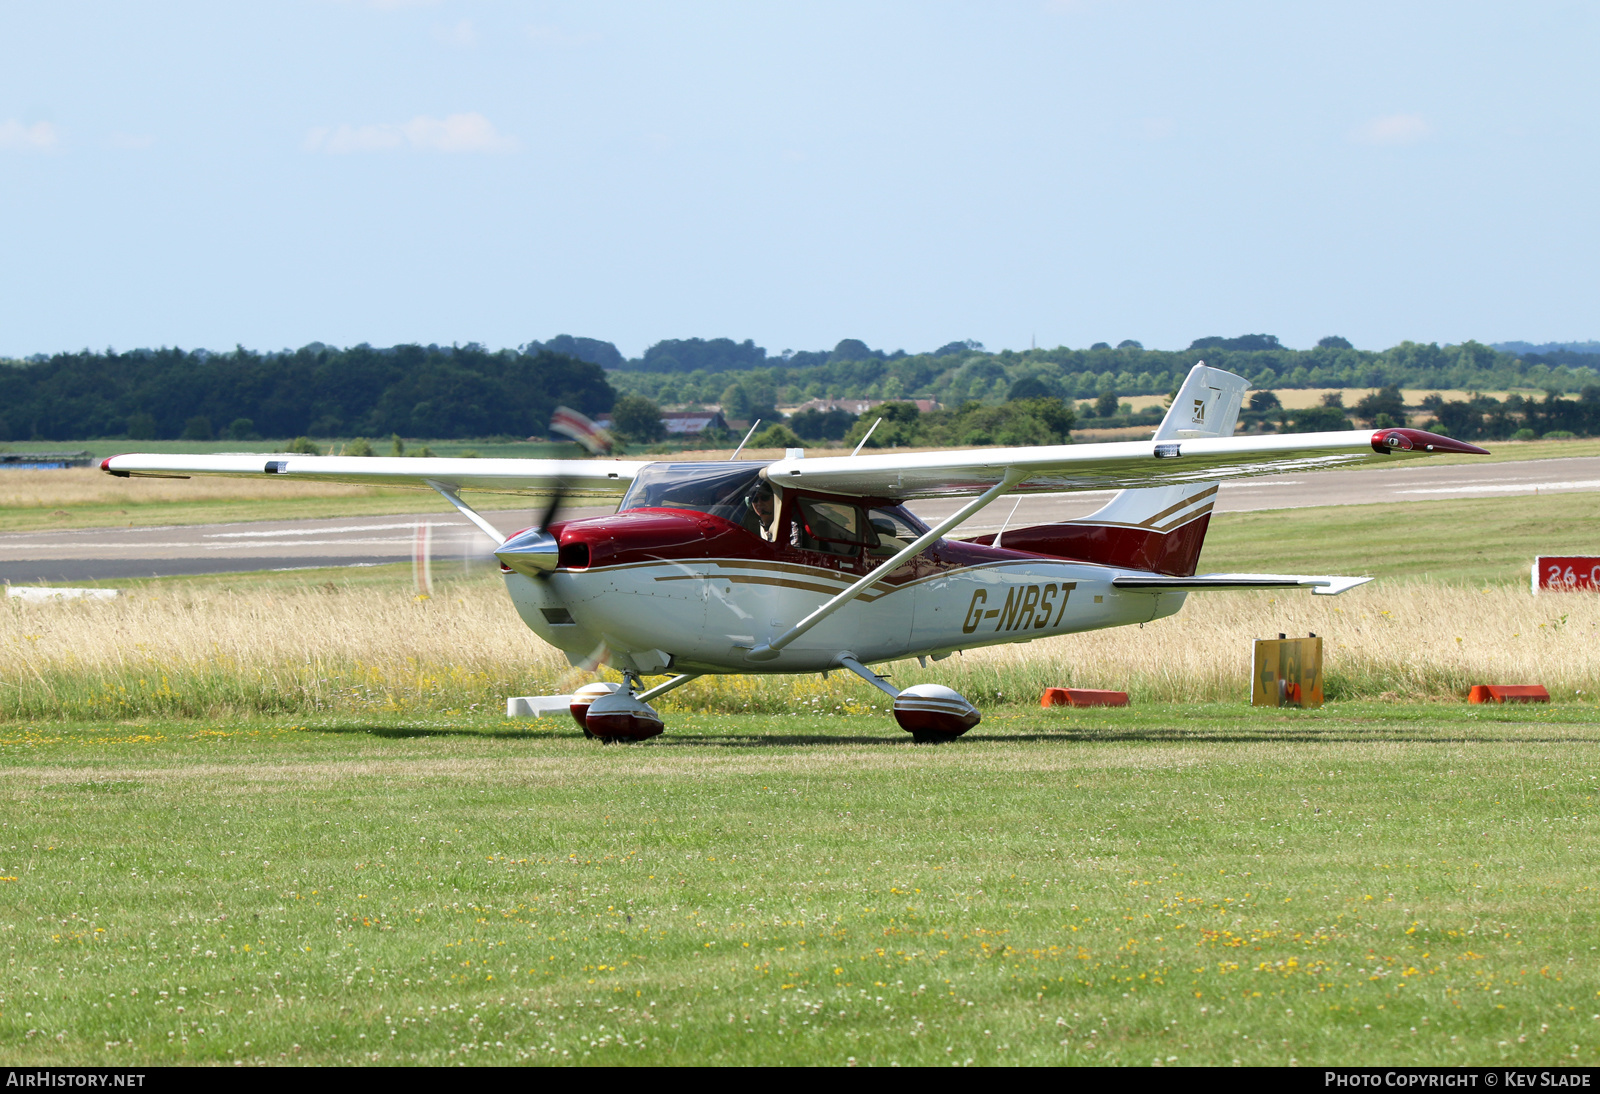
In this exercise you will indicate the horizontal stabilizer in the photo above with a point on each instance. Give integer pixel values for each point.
(1320, 585)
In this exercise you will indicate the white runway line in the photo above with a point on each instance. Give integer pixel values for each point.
(1506, 487)
(410, 524)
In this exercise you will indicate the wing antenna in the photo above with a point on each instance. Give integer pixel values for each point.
(859, 447)
(744, 442)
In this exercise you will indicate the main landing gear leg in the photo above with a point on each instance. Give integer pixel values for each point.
(931, 713)
(625, 714)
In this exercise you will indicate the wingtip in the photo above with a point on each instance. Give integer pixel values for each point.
(1414, 440)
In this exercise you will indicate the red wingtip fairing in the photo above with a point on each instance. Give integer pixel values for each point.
(1410, 440)
(105, 464)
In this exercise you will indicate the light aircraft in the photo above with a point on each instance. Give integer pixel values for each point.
(812, 565)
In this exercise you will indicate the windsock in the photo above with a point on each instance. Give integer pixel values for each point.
(570, 423)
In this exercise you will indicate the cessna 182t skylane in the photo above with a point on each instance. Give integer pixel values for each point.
(810, 565)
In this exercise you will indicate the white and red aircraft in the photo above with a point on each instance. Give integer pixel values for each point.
(810, 565)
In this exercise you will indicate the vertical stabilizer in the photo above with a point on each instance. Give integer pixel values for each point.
(1207, 405)
(1157, 529)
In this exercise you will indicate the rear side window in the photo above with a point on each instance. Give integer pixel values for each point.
(891, 532)
(835, 522)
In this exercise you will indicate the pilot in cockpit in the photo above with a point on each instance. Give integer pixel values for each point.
(758, 519)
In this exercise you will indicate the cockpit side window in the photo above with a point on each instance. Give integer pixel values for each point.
(833, 527)
(721, 490)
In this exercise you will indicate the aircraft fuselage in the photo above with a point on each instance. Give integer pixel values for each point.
(698, 593)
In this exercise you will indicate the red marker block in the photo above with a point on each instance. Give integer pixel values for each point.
(1082, 697)
(1508, 693)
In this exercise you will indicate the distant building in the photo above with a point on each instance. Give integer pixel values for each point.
(682, 423)
(859, 407)
(691, 423)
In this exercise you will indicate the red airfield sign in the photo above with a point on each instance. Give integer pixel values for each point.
(1566, 573)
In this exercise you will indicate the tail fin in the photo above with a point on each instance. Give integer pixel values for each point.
(1159, 529)
(1207, 405)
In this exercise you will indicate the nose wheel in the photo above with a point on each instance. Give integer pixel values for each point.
(621, 717)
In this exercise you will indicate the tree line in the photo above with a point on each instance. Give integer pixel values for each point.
(962, 372)
(455, 392)
(317, 391)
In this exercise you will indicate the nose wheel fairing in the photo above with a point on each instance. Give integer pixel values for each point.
(622, 717)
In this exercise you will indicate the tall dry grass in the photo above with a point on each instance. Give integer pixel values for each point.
(176, 651)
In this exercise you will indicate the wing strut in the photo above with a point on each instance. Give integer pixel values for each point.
(848, 661)
(467, 511)
(662, 689)
(771, 649)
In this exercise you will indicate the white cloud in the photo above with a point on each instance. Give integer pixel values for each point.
(38, 137)
(1392, 129)
(453, 133)
(463, 35)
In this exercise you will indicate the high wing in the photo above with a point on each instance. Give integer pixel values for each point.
(1193, 444)
(572, 478)
(1117, 465)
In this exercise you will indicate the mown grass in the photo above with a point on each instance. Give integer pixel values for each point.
(1464, 541)
(1185, 884)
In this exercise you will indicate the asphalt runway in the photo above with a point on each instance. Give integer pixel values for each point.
(108, 554)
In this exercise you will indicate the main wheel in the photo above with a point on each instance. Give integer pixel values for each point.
(583, 697)
(933, 713)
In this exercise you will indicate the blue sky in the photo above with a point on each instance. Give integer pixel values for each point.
(1067, 172)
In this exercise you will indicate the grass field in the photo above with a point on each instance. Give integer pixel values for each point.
(1471, 541)
(1177, 884)
(276, 818)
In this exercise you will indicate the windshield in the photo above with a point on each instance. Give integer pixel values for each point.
(722, 489)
